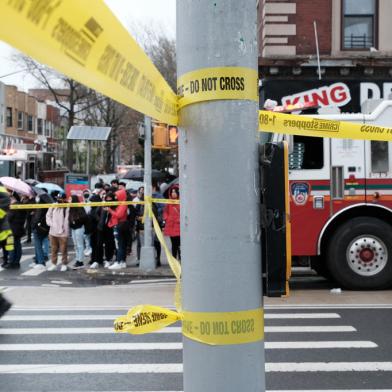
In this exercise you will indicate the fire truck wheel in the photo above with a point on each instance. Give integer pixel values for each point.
(359, 254)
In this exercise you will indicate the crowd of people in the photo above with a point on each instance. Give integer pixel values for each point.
(102, 236)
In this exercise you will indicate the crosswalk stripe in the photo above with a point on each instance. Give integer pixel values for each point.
(174, 346)
(278, 390)
(301, 315)
(92, 368)
(33, 272)
(320, 344)
(71, 331)
(328, 367)
(305, 328)
(91, 346)
(114, 316)
(61, 317)
(287, 367)
(105, 330)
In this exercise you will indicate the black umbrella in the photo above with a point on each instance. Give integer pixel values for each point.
(38, 191)
(138, 175)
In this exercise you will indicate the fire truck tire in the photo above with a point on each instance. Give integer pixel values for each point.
(359, 254)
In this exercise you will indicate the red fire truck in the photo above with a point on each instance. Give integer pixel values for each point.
(341, 204)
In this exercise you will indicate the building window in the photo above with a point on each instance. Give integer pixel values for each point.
(20, 120)
(307, 154)
(30, 124)
(359, 24)
(39, 126)
(379, 155)
(9, 117)
(47, 128)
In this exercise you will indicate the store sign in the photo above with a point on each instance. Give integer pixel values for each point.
(75, 184)
(347, 94)
(337, 94)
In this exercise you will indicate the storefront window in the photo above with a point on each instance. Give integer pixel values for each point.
(359, 24)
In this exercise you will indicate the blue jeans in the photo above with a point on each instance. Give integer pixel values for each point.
(78, 240)
(41, 246)
(16, 254)
(122, 237)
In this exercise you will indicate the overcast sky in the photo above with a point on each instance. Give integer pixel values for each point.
(160, 13)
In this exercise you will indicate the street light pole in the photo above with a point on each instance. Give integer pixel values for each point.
(220, 228)
(147, 257)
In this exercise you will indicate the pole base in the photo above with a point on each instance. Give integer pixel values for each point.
(147, 258)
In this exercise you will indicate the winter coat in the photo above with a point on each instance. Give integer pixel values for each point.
(171, 216)
(77, 218)
(58, 221)
(120, 214)
(38, 220)
(17, 220)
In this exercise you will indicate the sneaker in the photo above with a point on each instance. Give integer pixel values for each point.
(123, 264)
(39, 267)
(32, 265)
(107, 264)
(12, 266)
(63, 268)
(78, 265)
(94, 265)
(52, 267)
(87, 252)
(115, 265)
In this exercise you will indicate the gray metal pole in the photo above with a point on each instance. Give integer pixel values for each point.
(88, 157)
(220, 231)
(147, 258)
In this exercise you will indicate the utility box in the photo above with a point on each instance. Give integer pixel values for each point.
(275, 219)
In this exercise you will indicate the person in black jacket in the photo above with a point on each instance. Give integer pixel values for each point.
(77, 220)
(105, 235)
(41, 231)
(17, 220)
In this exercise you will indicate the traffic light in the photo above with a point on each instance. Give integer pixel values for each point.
(160, 137)
(275, 222)
(173, 136)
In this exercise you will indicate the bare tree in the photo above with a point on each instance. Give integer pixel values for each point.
(123, 122)
(70, 96)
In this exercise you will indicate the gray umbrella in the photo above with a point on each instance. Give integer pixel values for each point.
(138, 175)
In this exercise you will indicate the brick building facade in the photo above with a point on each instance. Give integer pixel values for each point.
(354, 57)
(27, 120)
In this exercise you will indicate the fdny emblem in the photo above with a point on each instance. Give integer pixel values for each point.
(300, 193)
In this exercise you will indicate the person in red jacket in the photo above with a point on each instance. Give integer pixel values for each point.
(171, 216)
(119, 221)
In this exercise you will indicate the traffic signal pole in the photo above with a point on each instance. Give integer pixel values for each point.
(147, 257)
(220, 230)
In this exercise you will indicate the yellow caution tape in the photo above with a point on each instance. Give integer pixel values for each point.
(86, 42)
(90, 204)
(208, 84)
(214, 328)
(220, 328)
(144, 319)
(309, 126)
